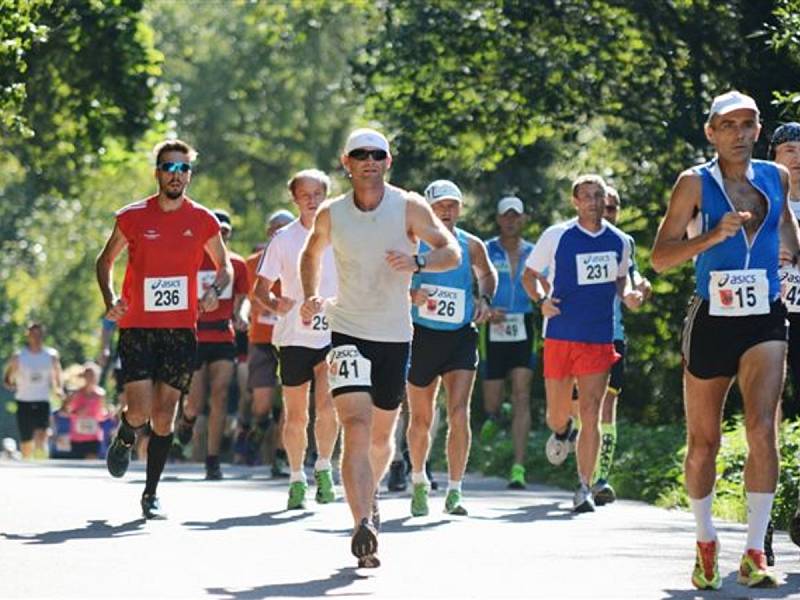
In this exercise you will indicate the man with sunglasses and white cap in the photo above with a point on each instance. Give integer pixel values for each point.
(166, 236)
(737, 214)
(303, 345)
(507, 340)
(374, 230)
(214, 366)
(444, 349)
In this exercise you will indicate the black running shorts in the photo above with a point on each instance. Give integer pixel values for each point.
(31, 416)
(435, 352)
(209, 352)
(262, 366)
(712, 346)
(617, 379)
(163, 355)
(298, 362)
(499, 358)
(389, 369)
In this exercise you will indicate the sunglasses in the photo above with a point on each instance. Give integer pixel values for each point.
(174, 167)
(363, 154)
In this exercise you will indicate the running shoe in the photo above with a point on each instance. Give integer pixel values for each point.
(375, 516)
(397, 477)
(213, 472)
(419, 500)
(297, 495)
(558, 446)
(768, 552)
(452, 504)
(753, 570)
(118, 457)
(489, 430)
(370, 561)
(794, 528)
(365, 540)
(325, 491)
(706, 570)
(184, 430)
(151, 507)
(583, 501)
(516, 479)
(603, 492)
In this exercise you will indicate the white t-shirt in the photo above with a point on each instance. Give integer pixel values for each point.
(282, 261)
(34, 380)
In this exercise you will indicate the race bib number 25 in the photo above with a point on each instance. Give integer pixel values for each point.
(163, 294)
(347, 367)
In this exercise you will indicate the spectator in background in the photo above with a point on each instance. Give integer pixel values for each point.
(87, 412)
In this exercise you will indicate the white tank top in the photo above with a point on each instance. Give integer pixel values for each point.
(373, 301)
(33, 375)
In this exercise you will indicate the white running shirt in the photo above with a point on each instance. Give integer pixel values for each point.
(33, 377)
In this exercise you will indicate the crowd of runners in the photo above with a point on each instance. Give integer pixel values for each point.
(372, 300)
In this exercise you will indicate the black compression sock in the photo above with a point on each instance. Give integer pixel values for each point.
(157, 452)
(126, 432)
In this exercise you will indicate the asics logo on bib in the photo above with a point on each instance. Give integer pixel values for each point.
(596, 258)
(735, 280)
(166, 284)
(789, 277)
(338, 353)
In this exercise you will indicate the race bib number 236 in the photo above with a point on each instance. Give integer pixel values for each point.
(163, 294)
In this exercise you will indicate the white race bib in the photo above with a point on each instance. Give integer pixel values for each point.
(596, 267)
(63, 443)
(86, 426)
(346, 367)
(317, 325)
(204, 281)
(444, 304)
(790, 288)
(738, 293)
(510, 330)
(163, 294)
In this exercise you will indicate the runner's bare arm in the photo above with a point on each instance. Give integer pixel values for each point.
(790, 233)
(445, 252)
(57, 377)
(104, 266)
(240, 308)
(485, 275)
(10, 372)
(535, 283)
(671, 247)
(216, 249)
(310, 261)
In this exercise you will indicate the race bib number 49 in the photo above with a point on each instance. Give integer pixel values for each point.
(596, 267)
(444, 304)
(166, 293)
(346, 367)
(738, 293)
(510, 330)
(790, 288)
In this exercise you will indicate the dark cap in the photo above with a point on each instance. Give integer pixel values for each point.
(224, 218)
(788, 132)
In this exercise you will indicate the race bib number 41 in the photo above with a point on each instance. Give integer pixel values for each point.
(444, 304)
(738, 293)
(790, 288)
(346, 367)
(166, 293)
(596, 267)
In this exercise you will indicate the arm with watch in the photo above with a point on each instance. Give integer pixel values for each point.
(485, 278)
(219, 254)
(538, 288)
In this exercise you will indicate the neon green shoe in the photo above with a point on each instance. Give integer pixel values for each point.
(419, 500)
(452, 504)
(753, 571)
(325, 492)
(516, 480)
(706, 570)
(489, 430)
(297, 495)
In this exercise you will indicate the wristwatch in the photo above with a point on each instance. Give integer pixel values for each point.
(540, 301)
(214, 286)
(487, 298)
(420, 261)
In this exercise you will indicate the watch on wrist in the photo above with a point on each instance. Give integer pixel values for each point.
(487, 298)
(215, 286)
(540, 301)
(420, 261)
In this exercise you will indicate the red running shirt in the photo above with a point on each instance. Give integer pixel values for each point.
(224, 312)
(165, 251)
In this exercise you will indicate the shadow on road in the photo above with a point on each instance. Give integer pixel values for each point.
(392, 526)
(551, 511)
(303, 589)
(95, 530)
(263, 520)
(731, 589)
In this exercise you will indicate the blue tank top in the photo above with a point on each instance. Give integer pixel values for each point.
(448, 287)
(736, 252)
(510, 295)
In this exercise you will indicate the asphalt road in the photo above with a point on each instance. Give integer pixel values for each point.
(67, 529)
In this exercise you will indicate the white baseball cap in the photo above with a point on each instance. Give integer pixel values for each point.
(510, 203)
(366, 138)
(730, 101)
(443, 189)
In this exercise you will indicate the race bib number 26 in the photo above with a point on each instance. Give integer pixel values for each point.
(163, 294)
(737, 293)
(444, 304)
(347, 367)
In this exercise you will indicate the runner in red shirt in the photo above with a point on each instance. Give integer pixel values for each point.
(216, 351)
(166, 235)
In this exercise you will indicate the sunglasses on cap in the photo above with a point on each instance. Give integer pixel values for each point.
(175, 167)
(363, 154)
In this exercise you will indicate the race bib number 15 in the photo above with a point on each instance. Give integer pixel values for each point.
(738, 293)
(163, 294)
(346, 367)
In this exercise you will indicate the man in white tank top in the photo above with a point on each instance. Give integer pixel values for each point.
(32, 374)
(374, 230)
